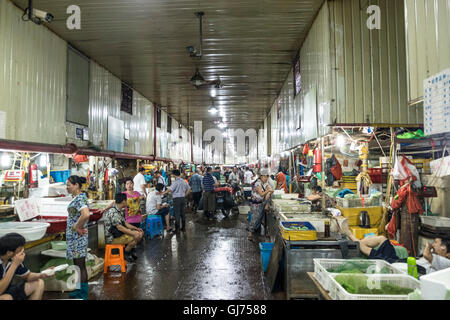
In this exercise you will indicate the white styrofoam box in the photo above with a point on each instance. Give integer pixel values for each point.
(441, 167)
(437, 222)
(31, 231)
(436, 285)
(54, 207)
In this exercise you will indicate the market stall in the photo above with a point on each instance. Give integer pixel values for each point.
(379, 181)
(34, 201)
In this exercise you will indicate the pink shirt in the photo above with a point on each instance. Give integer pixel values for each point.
(133, 209)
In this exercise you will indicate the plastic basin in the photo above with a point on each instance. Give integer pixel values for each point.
(31, 231)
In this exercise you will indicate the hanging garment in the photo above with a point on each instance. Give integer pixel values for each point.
(317, 160)
(336, 170)
(413, 203)
(305, 149)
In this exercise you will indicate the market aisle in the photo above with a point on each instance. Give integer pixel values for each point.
(212, 260)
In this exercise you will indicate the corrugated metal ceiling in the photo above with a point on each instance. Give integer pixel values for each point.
(249, 44)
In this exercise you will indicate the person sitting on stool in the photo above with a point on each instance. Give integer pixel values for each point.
(155, 205)
(118, 231)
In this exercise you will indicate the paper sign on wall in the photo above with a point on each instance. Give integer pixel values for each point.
(436, 105)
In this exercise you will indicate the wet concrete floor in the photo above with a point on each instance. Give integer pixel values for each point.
(211, 260)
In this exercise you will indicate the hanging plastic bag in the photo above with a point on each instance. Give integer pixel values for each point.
(404, 170)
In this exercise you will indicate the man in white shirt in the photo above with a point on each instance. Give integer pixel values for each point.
(436, 256)
(139, 182)
(233, 177)
(154, 205)
(248, 176)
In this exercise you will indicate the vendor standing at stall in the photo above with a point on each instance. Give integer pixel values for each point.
(281, 181)
(260, 196)
(133, 214)
(77, 232)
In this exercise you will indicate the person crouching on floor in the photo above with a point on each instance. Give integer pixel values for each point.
(12, 255)
(118, 231)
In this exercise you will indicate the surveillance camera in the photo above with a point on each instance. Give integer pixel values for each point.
(191, 50)
(47, 17)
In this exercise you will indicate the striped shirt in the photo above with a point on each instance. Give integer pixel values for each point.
(208, 182)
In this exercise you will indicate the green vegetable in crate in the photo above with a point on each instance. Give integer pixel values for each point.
(350, 265)
(360, 285)
(353, 271)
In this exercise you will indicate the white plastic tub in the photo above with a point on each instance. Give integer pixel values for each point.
(31, 231)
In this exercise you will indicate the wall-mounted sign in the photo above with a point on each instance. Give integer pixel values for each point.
(14, 175)
(79, 133)
(436, 103)
(85, 134)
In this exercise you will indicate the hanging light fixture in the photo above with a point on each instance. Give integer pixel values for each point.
(212, 109)
(197, 80)
(213, 92)
(340, 141)
(222, 125)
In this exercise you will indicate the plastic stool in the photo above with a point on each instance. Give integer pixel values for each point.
(114, 259)
(154, 226)
(143, 225)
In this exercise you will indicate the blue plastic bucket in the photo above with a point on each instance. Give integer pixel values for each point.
(266, 251)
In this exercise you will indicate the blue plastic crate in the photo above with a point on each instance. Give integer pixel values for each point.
(266, 251)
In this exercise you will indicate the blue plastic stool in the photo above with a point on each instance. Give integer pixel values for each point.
(154, 226)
